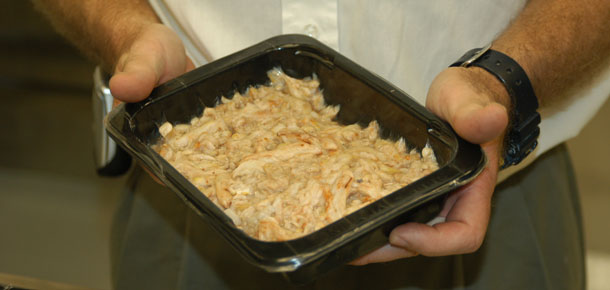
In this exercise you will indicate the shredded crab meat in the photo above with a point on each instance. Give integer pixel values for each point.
(279, 166)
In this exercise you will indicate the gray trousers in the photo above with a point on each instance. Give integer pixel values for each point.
(534, 241)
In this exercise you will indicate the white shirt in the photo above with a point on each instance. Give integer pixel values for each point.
(407, 42)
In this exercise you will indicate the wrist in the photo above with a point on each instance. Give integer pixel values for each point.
(522, 132)
(488, 84)
(117, 30)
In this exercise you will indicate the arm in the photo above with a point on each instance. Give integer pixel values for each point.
(124, 37)
(560, 44)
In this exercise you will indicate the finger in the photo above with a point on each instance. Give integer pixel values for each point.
(465, 226)
(136, 76)
(115, 102)
(477, 123)
(189, 64)
(462, 232)
(384, 254)
(448, 204)
(472, 112)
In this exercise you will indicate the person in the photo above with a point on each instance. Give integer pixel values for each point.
(522, 233)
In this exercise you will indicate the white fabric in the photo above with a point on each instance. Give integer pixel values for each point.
(315, 18)
(407, 42)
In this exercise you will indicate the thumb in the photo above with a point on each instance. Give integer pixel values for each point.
(474, 103)
(135, 76)
(155, 56)
(478, 123)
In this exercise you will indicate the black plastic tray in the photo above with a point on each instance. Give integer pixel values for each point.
(363, 97)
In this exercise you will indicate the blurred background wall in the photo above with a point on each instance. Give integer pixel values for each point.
(55, 212)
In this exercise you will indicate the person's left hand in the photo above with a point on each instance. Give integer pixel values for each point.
(475, 104)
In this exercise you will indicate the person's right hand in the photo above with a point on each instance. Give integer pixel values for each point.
(154, 55)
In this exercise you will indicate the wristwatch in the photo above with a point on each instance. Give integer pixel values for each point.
(523, 131)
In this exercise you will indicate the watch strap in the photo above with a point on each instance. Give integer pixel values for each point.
(523, 131)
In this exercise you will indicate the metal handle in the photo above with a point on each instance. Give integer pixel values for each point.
(109, 159)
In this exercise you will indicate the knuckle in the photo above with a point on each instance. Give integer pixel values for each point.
(474, 243)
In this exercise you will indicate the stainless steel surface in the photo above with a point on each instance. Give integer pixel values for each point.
(104, 148)
(476, 56)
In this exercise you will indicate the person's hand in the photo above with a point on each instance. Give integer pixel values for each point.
(154, 56)
(475, 104)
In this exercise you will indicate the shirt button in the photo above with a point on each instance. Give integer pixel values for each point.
(311, 30)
